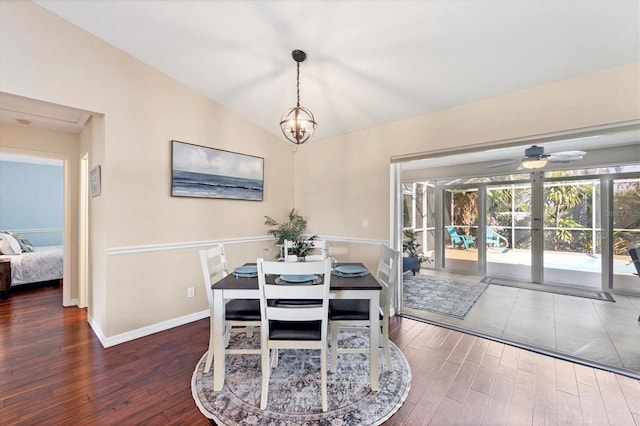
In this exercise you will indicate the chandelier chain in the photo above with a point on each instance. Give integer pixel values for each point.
(298, 85)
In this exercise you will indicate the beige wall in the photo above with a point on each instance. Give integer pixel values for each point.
(140, 111)
(338, 181)
(349, 174)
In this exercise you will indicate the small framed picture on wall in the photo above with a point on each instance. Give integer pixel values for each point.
(95, 181)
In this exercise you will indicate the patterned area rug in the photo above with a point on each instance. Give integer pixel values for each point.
(442, 295)
(294, 388)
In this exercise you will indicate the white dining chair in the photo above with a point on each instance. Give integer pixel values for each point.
(298, 326)
(314, 244)
(354, 314)
(241, 315)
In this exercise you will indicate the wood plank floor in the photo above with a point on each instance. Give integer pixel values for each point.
(54, 371)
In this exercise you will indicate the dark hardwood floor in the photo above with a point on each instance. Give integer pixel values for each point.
(53, 370)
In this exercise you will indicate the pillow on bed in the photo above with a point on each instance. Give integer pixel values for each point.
(9, 245)
(25, 245)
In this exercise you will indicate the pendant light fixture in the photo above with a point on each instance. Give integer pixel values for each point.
(298, 124)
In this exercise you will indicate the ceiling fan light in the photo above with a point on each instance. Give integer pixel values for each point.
(534, 163)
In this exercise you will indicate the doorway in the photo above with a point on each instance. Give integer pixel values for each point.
(83, 232)
(537, 227)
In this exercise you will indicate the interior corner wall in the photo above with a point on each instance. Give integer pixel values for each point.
(344, 180)
(143, 241)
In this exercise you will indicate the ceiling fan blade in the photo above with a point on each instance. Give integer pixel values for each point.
(505, 163)
(565, 157)
(569, 153)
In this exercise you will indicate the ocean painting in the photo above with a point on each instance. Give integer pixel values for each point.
(203, 172)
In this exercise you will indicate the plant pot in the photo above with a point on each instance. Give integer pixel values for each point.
(410, 264)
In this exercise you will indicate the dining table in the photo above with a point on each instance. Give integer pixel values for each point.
(362, 286)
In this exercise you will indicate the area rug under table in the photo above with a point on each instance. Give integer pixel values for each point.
(442, 295)
(294, 388)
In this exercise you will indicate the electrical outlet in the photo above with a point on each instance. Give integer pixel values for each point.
(191, 292)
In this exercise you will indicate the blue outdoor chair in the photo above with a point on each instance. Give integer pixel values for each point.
(493, 238)
(460, 240)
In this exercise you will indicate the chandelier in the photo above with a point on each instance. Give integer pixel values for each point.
(298, 124)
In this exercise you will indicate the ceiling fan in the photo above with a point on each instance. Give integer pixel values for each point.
(535, 158)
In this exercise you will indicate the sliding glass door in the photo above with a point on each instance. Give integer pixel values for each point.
(419, 215)
(625, 221)
(460, 230)
(570, 228)
(508, 231)
(572, 231)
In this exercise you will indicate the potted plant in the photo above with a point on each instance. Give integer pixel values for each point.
(412, 256)
(292, 230)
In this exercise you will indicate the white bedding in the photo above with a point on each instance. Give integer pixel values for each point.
(44, 264)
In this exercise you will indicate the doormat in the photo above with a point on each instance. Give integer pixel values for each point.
(567, 291)
(441, 295)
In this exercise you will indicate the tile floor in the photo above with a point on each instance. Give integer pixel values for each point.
(594, 332)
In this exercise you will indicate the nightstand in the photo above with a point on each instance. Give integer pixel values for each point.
(5, 277)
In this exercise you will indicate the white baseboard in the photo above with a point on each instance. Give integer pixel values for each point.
(145, 331)
(97, 331)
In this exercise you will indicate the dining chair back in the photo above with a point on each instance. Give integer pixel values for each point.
(354, 314)
(243, 313)
(312, 244)
(460, 240)
(297, 326)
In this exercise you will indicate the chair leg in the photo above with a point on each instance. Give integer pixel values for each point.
(207, 365)
(385, 342)
(334, 346)
(266, 372)
(227, 334)
(323, 377)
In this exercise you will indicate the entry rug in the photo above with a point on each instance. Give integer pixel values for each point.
(294, 388)
(442, 295)
(557, 289)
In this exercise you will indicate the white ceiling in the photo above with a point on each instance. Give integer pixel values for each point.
(368, 62)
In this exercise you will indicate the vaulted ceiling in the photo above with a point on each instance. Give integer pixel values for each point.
(369, 62)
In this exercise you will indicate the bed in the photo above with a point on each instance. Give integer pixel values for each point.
(43, 264)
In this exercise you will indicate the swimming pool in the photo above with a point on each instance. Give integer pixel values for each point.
(561, 260)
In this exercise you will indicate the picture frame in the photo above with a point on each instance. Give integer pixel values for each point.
(94, 179)
(203, 172)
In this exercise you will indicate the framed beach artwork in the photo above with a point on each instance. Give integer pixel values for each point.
(202, 172)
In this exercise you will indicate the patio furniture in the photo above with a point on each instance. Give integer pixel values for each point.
(493, 238)
(460, 240)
